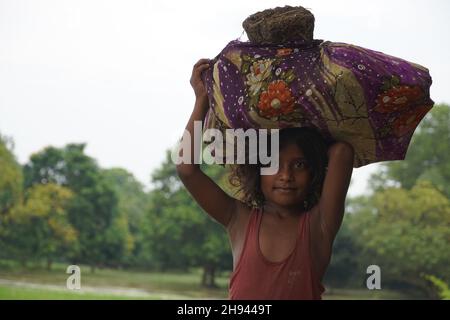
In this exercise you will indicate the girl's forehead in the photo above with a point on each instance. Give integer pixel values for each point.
(291, 151)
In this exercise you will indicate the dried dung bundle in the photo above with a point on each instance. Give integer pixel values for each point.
(280, 25)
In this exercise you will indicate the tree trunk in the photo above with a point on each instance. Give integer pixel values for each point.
(92, 268)
(49, 264)
(208, 277)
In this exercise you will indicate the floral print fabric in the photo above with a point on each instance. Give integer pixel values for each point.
(372, 100)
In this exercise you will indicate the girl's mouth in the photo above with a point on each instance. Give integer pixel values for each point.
(285, 190)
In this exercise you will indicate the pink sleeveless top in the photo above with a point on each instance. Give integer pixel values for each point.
(256, 278)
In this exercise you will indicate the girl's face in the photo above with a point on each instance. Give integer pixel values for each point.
(288, 187)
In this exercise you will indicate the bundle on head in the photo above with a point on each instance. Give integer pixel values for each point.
(283, 78)
(280, 25)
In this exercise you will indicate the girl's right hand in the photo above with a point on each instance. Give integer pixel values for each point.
(196, 79)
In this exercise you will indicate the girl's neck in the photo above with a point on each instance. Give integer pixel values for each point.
(282, 212)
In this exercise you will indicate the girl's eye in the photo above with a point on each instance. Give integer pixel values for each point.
(300, 164)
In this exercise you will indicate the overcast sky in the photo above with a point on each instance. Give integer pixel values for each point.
(115, 74)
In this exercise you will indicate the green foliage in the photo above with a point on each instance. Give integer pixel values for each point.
(180, 234)
(406, 233)
(94, 206)
(39, 227)
(444, 290)
(127, 230)
(131, 194)
(10, 177)
(344, 266)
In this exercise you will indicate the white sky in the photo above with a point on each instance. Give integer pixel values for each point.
(115, 74)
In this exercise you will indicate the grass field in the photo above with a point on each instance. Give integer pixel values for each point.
(39, 283)
(13, 293)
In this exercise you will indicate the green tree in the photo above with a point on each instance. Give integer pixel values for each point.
(344, 265)
(180, 233)
(133, 202)
(11, 180)
(39, 228)
(11, 177)
(94, 206)
(406, 233)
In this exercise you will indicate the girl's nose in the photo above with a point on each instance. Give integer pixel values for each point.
(285, 173)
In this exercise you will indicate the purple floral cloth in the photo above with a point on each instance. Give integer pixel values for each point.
(369, 99)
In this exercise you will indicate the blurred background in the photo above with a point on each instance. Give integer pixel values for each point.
(95, 93)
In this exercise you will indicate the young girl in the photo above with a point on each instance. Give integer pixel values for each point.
(282, 231)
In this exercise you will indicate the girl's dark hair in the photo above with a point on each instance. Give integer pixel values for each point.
(246, 177)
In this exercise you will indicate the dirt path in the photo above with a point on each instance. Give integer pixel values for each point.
(119, 291)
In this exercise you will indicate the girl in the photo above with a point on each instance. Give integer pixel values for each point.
(282, 231)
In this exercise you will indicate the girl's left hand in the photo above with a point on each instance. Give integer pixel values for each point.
(196, 79)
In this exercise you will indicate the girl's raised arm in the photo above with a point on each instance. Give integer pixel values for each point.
(335, 187)
(218, 204)
(326, 223)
